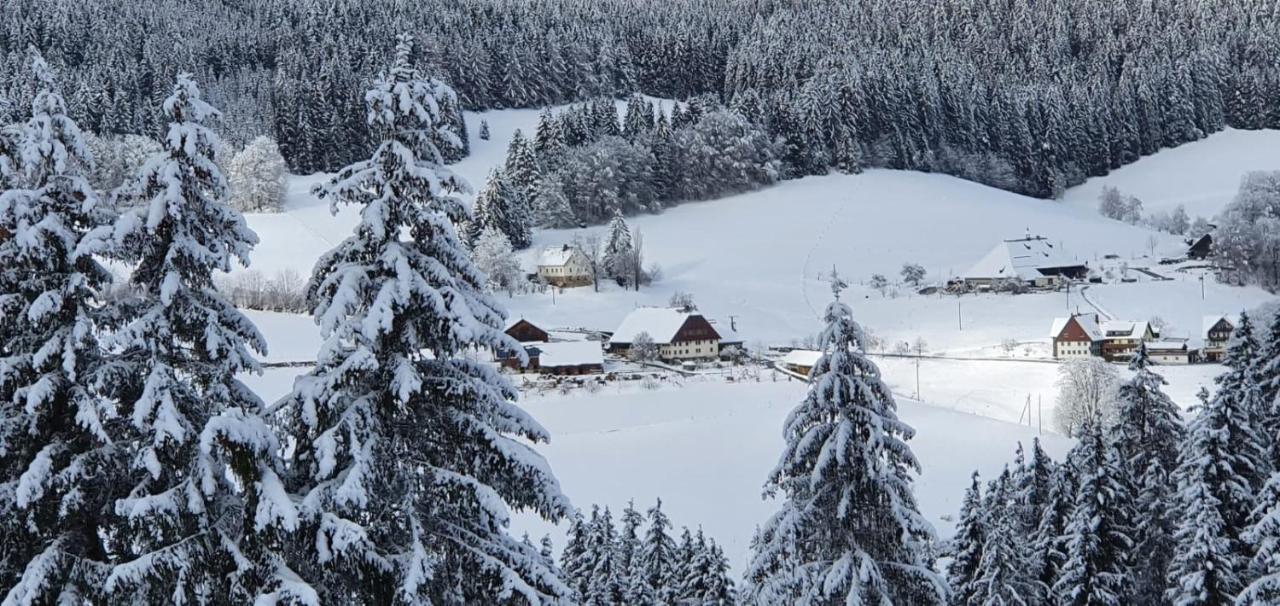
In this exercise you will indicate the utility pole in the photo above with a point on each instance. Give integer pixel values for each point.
(1201, 287)
(918, 398)
(959, 316)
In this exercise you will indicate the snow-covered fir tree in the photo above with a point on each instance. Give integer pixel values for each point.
(1213, 502)
(206, 506)
(553, 207)
(618, 249)
(1050, 536)
(1240, 390)
(705, 580)
(658, 554)
(257, 177)
(635, 588)
(408, 453)
(971, 533)
(606, 584)
(638, 119)
(1267, 371)
(1145, 435)
(1263, 537)
(1098, 536)
(484, 130)
(497, 207)
(1033, 483)
(522, 173)
(848, 529)
(1003, 575)
(59, 467)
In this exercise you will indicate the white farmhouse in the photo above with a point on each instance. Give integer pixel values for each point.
(564, 266)
(1032, 261)
(678, 334)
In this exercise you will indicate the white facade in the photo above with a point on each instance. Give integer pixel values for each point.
(689, 350)
(564, 266)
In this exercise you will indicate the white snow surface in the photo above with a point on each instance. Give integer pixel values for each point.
(706, 448)
(1202, 175)
(661, 324)
(569, 353)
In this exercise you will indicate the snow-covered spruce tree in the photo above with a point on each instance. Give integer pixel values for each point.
(1263, 536)
(1145, 436)
(618, 249)
(1033, 484)
(1240, 391)
(497, 207)
(636, 588)
(1267, 371)
(1098, 541)
(607, 583)
(484, 130)
(1003, 575)
(1213, 499)
(521, 170)
(1050, 536)
(658, 554)
(408, 454)
(573, 567)
(256, 176)
(58, 464)
(553, 207)
(705, 580)
(848, 529)
(971, 533)
(206, 509)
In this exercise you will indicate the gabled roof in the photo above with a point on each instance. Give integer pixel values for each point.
(726, 331)
(661, 323)
(1168, 346)
(1210, 321)
(556, 255)
(801, 357)
(1022, 259)
(1124, 328)
(569, 353)
(1087, 322)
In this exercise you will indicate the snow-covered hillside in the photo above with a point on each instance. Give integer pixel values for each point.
(760, 258)
(1203, 175)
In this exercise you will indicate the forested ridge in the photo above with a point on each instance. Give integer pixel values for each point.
(1027, 96)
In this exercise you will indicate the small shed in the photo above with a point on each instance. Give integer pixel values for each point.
(800, 361)
(1201, 248)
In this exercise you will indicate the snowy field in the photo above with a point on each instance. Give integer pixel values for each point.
(706, 448)
(762, 256)
(1203, 175)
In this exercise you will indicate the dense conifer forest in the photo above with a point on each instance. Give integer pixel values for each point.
(1027, 96)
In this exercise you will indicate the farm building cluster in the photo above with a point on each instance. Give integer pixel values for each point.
(680, 336)
(1088, 335)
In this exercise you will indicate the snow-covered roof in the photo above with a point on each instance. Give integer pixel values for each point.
(1022, 258)
(1088, 322)
(1167, 346)
(726, 331)
(556, 255)
(661, 323)
(801, 357)
(1124, 328)
(1210, 321)
(569, 353)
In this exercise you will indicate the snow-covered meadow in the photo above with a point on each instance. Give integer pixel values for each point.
(707, 446)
